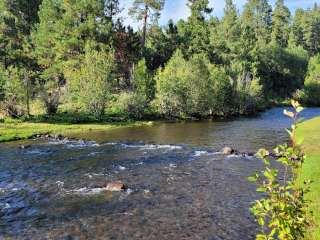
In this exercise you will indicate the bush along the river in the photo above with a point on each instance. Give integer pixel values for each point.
(282, 212)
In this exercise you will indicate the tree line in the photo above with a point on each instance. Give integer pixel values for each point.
(77, 56)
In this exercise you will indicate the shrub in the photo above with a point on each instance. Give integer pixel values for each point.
(193, 88)
(14, 99)
(282, 212)
(90, 86)
(249, 97)
(171, 87)
(143, 83)
(310, 94)
(281, 71)
(222, 99)
(129, 105)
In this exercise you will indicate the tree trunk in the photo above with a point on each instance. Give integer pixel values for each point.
(145, 22)
(27, 81)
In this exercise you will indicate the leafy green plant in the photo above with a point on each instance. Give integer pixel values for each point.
(282, 213)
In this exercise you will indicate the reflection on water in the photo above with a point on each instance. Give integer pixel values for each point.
(179, 186)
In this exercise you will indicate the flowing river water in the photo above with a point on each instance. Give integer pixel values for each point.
(180, 186)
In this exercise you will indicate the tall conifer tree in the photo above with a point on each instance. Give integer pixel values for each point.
(144, 10)
(280, 24)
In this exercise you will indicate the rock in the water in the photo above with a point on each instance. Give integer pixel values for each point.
(227, 151)
(115, 187)
(24, 146)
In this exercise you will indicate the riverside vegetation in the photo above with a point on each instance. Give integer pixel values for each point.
(310, 132)
(77, 57)
(283, 212)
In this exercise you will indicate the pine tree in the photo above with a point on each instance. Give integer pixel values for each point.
(112, 8)
(126, 43)
(196, 31)
(229, 31)
(60, 38)
(306, 29)
(280, 24)
(17, 18)
(45, 39)
(296, 35)
(199, 9)
(312, 31)
(16, 21)
(143, 10)
(257, 17)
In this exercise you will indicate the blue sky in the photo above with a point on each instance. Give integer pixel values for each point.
(177, 9)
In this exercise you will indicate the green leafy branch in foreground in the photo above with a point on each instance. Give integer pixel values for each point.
(283, 211)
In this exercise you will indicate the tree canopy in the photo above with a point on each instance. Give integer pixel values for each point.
(78, 56)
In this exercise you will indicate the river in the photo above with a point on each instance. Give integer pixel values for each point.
(180, 186)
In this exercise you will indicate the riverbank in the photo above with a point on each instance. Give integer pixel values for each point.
(16, 130)
(310, 132)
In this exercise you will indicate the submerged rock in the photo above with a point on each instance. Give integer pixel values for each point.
(228, 151)
(116, 187)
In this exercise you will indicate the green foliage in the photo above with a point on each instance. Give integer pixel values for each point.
(221, 98)
(199, 9)
(3, 77)
(282, 212)
(280, 24)
(195, 32)
(90, 85)
(249, 95)
(310, 94)
(193, 88)
(13, 130)
(240, 61)
(60, 38)
(130, 105)
(140, 7)
(256, 20)
(45, 39)
(142, 10)
(171, 89)
(134, 103)
(309, 131)
(16, 20)
(306, 31)
(143, 83)
(224, 36)
(281, 70)
(16, 90)
(161, 44)
(112, 8)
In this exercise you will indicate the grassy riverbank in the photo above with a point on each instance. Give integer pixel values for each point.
(310, 131)
(15, 130)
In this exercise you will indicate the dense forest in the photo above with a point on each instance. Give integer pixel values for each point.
(78, 57)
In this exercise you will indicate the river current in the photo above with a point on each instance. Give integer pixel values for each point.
(179, 185)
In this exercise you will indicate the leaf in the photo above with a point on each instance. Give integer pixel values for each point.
(261, 189)
(288, 113)
(252, 179)
(261, 221)
(262, 153)
(299, 109)
(261, 237)
(295, 104)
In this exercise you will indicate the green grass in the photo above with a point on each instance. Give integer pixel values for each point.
(17, 130)
(310, 132)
